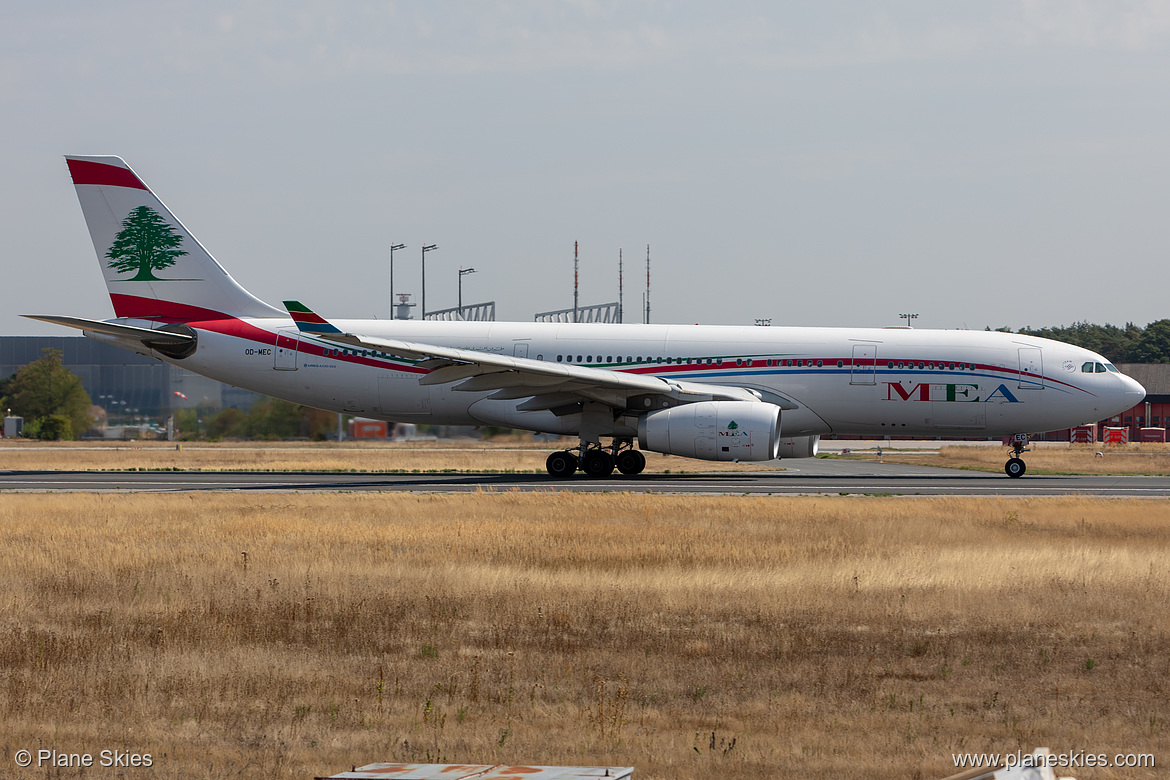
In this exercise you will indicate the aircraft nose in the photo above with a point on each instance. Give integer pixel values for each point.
(1134, 392)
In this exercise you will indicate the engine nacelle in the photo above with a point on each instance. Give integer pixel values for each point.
(799, 447)
(713, 430)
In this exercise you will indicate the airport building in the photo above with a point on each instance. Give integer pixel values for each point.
(133, 389)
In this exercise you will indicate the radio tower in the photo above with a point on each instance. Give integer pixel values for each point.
(619, 317)
(647, 284)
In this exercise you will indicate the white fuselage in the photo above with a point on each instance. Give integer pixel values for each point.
(870, 382)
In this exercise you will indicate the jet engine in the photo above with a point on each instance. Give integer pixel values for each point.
(713, 430)
(799, 447)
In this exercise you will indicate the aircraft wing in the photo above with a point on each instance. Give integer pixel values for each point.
(545, 385)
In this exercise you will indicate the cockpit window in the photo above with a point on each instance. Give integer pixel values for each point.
(1087, 368)
(1112, 368)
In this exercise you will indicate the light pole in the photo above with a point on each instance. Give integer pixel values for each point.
(392, 248)
(908, 317)
(462, 273)
(426, 248)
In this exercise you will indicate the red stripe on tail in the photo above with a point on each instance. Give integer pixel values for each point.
(163, 311)
(86, 172)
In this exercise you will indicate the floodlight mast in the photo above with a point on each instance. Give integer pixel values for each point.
(393, 247)
(462, 273)
(426, 248)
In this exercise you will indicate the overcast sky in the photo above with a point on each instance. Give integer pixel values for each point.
(818, 163)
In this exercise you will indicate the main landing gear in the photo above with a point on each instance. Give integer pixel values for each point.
(1015, 467)
(597, 462)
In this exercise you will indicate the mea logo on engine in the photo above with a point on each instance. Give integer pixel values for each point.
(733, 430)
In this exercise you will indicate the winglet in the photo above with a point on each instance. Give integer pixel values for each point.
(307, 320)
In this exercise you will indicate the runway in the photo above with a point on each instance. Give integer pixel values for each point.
(805, 477)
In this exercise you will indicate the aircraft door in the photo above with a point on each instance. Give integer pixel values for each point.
(1031, 369)
(520, 350)
(285, 352)
(864, 365)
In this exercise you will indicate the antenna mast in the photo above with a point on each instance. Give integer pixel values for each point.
(619, 317)
(575, 314)
(647, 284)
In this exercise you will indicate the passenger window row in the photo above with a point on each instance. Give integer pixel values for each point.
(930, 365)
(770, 362)
(796, 363)
(639, 359)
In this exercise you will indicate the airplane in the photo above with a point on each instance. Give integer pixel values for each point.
(716, 393)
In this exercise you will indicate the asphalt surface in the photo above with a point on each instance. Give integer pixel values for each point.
(803, 477)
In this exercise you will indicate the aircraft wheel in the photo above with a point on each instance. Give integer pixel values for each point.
(561, 465)
(631, 462)
(1015, 467)
(597, 464)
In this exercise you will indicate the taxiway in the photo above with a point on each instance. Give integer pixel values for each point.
(805, 477)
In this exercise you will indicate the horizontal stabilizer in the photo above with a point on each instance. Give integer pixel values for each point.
(145, 335)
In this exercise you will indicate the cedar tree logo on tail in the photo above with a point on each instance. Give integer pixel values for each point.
(146, 243)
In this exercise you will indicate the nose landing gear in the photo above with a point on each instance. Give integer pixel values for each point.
(1015, 467)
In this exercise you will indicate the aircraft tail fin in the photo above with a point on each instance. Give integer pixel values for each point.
(154, 268)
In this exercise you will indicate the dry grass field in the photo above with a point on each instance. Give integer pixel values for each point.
(691, 637)
(1153, 459)
(509, 455)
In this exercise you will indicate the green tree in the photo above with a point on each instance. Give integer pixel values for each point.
(45, 389)
(267, 419)
(1116, 344)
(1153, 345)
(146, 243)
(229, 423)
(272, 418)
(54, 428)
